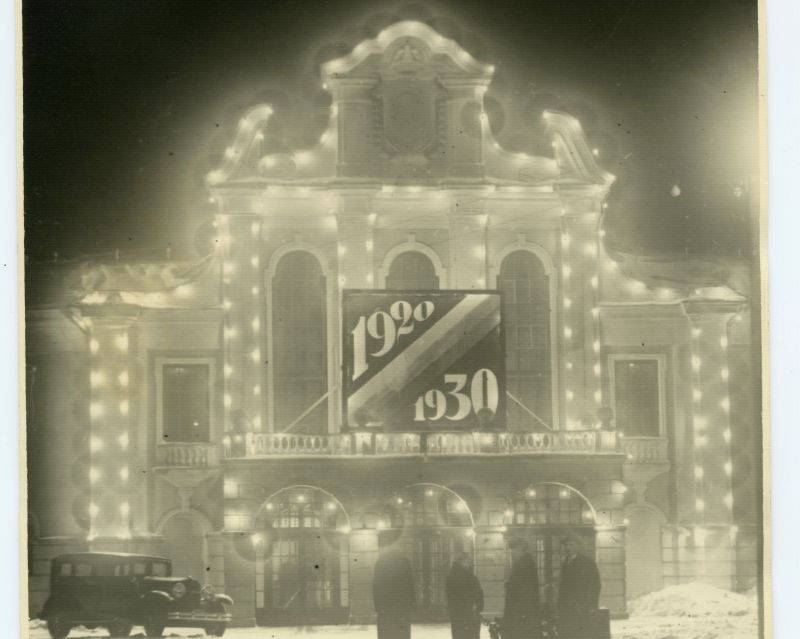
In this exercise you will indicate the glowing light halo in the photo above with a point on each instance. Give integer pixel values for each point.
(437, 43)
(431, 486)
(267, 504)
(243, 141)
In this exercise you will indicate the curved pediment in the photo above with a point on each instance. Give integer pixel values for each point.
(407, 47)
(408, 108)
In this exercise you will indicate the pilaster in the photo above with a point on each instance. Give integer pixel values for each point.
(109, 342)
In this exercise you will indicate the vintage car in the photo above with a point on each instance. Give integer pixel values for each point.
(119, 590)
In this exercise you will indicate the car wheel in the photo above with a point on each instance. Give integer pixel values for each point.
(57, 628)
(154, 624)
(216, 629)
(120, 628)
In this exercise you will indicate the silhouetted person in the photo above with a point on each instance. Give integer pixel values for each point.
(522, 617)
(464, 599)
(578, 592)
(393, 594)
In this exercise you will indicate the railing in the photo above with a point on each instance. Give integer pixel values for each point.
(269, 444)
(187, 455)
(585, 441)
(397, 443)
(645, 450)
(363, 444)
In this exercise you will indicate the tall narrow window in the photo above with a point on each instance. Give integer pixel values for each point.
(526, 297)
(636, 397)
(186, 406)
(300, 344)
(412, 270)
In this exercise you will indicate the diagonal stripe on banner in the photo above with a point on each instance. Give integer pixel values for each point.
(453, 335)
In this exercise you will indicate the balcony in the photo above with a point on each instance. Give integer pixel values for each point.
(645, 459)
(186, 465)
(645, 450)
(439, 444)
(187, 455)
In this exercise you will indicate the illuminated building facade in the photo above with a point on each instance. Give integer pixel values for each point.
(195, 410)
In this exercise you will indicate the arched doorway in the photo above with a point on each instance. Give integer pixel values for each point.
(543, 514)
(302, 558)
(184, 534)
(431, 524)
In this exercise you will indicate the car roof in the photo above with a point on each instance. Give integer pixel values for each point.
(84, 556)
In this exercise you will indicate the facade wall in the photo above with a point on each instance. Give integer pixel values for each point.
(94, 368)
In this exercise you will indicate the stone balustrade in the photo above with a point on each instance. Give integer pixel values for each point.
(645, 450)
(362, 444)
(187, 455)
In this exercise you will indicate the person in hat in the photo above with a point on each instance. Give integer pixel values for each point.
(464, 599)
(522, 617)
(578, 591)
(393, 594)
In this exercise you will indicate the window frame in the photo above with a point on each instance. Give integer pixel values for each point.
(160, 362)
(413, 247)
(540, 253)
(661, 367)
(333, 308)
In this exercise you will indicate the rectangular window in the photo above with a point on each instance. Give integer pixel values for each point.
(83, 570)
(637, 396)
(186, 402)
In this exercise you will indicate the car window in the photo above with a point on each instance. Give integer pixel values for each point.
(104, 570)
(139, 568)
(160, 569)
(83, 570)
(66, 570)
(122, 570)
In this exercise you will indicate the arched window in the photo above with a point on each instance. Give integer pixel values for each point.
(412, 270)
(526, 315)
(299, 325)
(552, 504)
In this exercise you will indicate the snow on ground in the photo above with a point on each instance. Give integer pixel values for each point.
(694, 599)
(690, 611)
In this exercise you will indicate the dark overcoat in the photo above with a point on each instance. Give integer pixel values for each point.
(522, 617)
(393, 596)
(578, 596)
(464, 603)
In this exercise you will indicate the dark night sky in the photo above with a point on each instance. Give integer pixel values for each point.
(127, 103)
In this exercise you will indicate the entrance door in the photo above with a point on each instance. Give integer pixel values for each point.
(303, 580)
(431, 553)
(545, 545)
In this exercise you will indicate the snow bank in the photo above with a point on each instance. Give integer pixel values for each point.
(692, 600)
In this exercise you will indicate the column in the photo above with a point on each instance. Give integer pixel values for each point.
(243, 363)
(714, 531)
(355, 223)
(580, 330)
(239, 559)
(467, 226)
(109, 442)
(490, 567)
(363, 555)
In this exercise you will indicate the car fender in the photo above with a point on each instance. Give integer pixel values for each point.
(224, 599)
(54, 605)
(156, 596)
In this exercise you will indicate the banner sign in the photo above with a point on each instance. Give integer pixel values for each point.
(423, 360)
